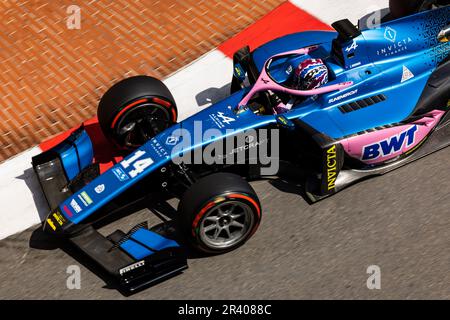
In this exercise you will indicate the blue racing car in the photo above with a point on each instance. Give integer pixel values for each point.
(341, 106)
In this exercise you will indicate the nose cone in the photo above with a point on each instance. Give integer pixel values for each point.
(56, 223)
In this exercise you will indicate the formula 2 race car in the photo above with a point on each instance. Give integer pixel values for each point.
(386, 103)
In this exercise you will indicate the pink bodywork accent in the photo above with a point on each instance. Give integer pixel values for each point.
(264, 82)
(355, 146)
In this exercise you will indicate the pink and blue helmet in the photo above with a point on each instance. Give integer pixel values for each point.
(310, 74)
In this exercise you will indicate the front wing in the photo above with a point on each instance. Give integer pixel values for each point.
(136, 259)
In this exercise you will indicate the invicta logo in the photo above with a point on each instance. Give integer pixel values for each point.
(331, 167)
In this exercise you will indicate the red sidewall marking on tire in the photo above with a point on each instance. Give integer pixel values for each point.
(125, 109)
(162, 102)
(174, 114)
(241, 196)
(168, 105)
(202, 212)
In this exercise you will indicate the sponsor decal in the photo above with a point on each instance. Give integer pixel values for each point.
(159, 149)
(289, 70)
(84, 197)
(82, 200)
(51, 224)
(391, 145)
(396, 47)
(331, 167)
(343, 96)
(352, 47)
(172, 140)
(131, 267)
(390, 34)
(67, 211)
(220, 119)
(75, 206)
(224, 118)
(250, 144)
(59, 218)
(407, 74)
(120, 174)
(239, 72)
(100, 188)
(283, 120)
(136, 163)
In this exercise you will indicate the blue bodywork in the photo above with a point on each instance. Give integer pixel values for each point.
(143, 243)
(376, 66)
(375, 61)
(75, 153)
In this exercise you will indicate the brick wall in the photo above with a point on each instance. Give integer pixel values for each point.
(52, 78)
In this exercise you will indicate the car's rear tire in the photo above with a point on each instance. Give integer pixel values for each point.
(219, 213)
(136, 109)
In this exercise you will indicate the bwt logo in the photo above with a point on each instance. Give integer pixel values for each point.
(391, 145)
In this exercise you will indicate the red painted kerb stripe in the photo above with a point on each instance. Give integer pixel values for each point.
(285, 19)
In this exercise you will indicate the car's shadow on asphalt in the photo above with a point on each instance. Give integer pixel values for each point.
(43, 241)
(291, 179)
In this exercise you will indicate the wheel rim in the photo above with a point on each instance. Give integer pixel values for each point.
(142, 123)
(226, 224)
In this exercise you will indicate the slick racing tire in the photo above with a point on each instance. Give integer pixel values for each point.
(136, 109)
(219, 213)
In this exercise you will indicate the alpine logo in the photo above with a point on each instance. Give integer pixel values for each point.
(224, 118)
(352, 47)
(221, 120)
(391, 145)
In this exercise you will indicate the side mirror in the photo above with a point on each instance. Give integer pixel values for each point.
(444, 35)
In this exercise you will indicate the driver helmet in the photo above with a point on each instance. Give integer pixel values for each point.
(310, 74)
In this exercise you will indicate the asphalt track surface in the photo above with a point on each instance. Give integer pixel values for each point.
(399, 221)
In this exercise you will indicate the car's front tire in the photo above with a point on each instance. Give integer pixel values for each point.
(219, 213)
(136, 109)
